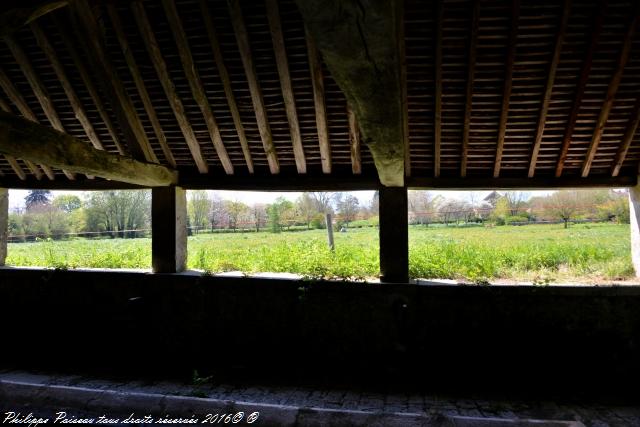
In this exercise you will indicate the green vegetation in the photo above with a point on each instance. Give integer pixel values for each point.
(539, 253)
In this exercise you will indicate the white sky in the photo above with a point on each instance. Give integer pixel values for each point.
(16, 197)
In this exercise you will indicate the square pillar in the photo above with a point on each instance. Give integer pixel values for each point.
(168, 229)
(394, 235)
(634, 220)
(4, 224)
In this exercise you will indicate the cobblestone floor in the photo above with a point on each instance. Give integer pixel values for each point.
(591, 415)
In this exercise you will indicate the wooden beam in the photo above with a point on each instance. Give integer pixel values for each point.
(273, 14)
(360, 48)
(24, 139)
(317, 82)
(20, 103)
(546, 98)
(354, 142)
(611, 93)
(90, 36)
(17, 169)
(242, 38)
(403, 88)
(80, 68)
(580, 90)
(168, 229)
(169, 89)
(76, 105)
(437, 124)
(139, 82)
(508, 85)
(394, 235)
(38, 89)
(13, 19)
(197, 89)
(226, 83)
(471, 70)
(630, 131)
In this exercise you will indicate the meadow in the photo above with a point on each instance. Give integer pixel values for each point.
(541, 253)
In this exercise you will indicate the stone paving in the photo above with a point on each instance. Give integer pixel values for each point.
(295, 406)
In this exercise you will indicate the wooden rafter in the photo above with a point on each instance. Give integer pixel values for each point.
(23, 107)
(242, 38)
(508, 85)
(437, 123)
(13, 19)
(611, 93)
(317, 80)
(25, 139)
(630, 131)
(273, 15)
(403, 88)
(4, 106)
(90, 35)
(197, 89)
(226, 83)
(354, 142)
(80, 68)
(580, 90)
(139, 82)
(546, 99)
(471, 68)
(170, 91)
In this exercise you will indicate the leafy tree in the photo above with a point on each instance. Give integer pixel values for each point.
(516, 201)
(307, 208)
(119, 212)
(198, 208)
(259, 215)
(67, 202)
(37, 198)
(562, 204)
(217, 213)
(234, 211)
(277, 212)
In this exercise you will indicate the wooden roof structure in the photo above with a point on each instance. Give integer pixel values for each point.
(278, 94)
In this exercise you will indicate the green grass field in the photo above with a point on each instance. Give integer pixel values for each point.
(588, 253)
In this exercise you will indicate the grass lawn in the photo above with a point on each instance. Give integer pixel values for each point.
(588, 253)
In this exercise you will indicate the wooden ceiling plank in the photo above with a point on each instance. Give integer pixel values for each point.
(25, 139)
(242, 38)
(170, 91)
(81, 69)
(354, 142)
(551, 75)
(471, 68)
(438, 90)
(17, 169)
(508, 85)
(140, 86)
(317, 81)
(273, 15)
(630, 131)
(226, 83)
(611, 94)
(580, 90)
(90, 35)
(195, 83)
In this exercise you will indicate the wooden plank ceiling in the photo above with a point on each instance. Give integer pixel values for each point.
(531, 90)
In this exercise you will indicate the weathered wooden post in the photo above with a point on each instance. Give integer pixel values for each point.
(394, 235)
(329, 220)
(4, 223)
(634, 219)
(168, 229)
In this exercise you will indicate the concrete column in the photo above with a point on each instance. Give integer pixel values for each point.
(168, 229)
(394, 235)
(4, 223)
(634, 219)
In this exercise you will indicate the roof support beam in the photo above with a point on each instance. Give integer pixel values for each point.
(403, 89)
(584, 78)
(24, 139)
(354, 142)
(11, 160)
(317, 81)
(611, 93)
(273, 14)
(169, 89)
(226, 83)
(197, 89)
(508, 85)
(142, 90)
(555, 59)
(360, 48)
(471, 69)
(629, 133)
(242, 38)
(15, 18)
(437, 122)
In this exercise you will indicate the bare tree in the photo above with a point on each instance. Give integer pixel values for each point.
(348, 208)
(323, 201)
(259, 215)
(516, 201)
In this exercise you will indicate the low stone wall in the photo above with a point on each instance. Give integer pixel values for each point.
(548, 339)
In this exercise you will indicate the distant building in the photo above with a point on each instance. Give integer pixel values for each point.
(492, 198)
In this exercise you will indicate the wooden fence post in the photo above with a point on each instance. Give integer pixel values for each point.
(168, 229)
(394, 235)
(329, 221)
(4, 223)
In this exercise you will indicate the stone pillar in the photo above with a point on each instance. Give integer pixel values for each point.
(394, 235)
(634, 219)
(168, 229)
(4, 223)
